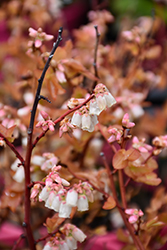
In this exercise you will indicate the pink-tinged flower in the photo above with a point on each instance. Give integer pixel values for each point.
(103, 99)
(48, 164)
(48, 246)
(116, 135)
(141, 145)
(135, 214)
(64, 210)
(126, 123)
(76, 119)
(93, 108)
(48, 181)
(44, 194)
(45, 125)
(49, 201)
(72, 198)
(65, 127)
(19, 175)
(63, 246)
(74, 102)
(35, 191)
(78, 235)
(82, 203)
(82, 119)
(160, 141)
(71, 242)
(57, 201)
(39, 36)
(60, 76)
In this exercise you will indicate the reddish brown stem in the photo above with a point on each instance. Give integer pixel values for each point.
(21, 237)
(12, 147)
(127, 224)
(122, 188)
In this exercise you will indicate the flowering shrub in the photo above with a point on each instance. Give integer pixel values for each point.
(76, 141)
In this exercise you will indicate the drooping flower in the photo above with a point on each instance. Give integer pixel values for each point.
(103, 99)
(64, 210)
(78, 235)
(72, 198)
(82, 203)
(82, 119)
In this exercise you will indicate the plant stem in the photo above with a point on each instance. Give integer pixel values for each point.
(27, 203)
(12, 147)
(122, 188)
(127, 224)
(95, 55)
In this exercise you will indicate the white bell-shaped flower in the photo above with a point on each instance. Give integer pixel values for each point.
(71, 242)
(82, 203)
(64, 210)
(19, 175)
(78, 235)
(72, 198)
(50, 199)
(93, 108)
(110, 100)
(56, 203)
(44, 194)
(76, 119)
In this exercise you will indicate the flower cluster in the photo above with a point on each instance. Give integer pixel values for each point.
(102, 100)
(135, 214)
(72, 235)
(118, 132)
(141, 145)
(65, 127)
(56, 196)
(39, 36)
(82, 119)
(160, 142)
(86, 117)
(116, 135)
(47, 123)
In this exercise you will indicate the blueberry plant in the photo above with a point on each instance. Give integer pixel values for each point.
(76, 142)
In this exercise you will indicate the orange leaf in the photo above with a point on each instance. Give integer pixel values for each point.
(53, 223)
(119, 159)
(7, 132)
(133, 154)
(109, 204)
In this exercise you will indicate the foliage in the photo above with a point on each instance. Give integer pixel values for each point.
(78, 142)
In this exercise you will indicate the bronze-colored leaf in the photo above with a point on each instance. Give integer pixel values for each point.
(120, 159)
(109, 204)
(53, 223)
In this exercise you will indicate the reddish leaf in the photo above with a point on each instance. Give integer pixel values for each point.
(109, 204)
(119, 159)
(7, 132)
(132, 154)
(53, 223)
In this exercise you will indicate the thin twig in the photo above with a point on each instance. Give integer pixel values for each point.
(95, 55)
(12, 147)
(21, 237)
